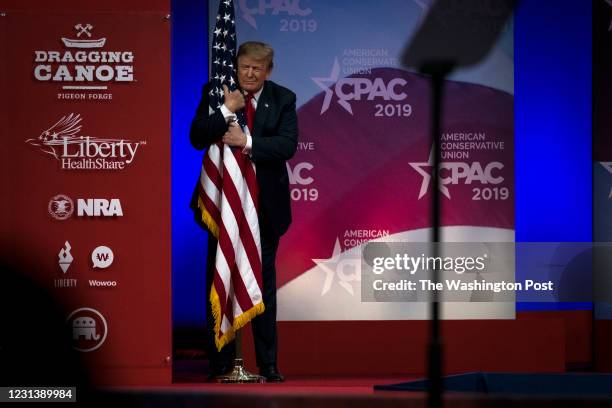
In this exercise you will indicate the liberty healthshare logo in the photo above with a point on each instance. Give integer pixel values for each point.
(64, 142)
(390, 93)
(83, 66)
(61, 207)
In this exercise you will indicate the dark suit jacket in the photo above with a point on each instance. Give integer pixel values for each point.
(274, 135)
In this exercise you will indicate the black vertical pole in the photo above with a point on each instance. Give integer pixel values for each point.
(435, 361)
(448, 38)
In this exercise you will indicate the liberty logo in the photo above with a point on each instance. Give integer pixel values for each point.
(65, 257)
(74, 151)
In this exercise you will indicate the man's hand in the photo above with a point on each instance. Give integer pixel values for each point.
(234, 101)
(234, 136)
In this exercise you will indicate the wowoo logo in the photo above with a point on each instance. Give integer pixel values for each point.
(102, 284)
(61, 207)
(455, 172)
(250, 9)
(74, 151)
(102, 257)
(82, 63)
(356, 89)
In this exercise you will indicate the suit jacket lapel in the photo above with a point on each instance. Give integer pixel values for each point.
(263, 106)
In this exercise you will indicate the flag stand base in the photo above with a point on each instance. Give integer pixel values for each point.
(239, 375)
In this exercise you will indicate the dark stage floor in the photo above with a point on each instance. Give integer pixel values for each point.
(190, 390)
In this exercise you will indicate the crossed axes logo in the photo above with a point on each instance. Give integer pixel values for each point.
(80, 29)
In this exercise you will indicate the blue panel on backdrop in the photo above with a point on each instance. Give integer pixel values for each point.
(553, 125)
(189, 73)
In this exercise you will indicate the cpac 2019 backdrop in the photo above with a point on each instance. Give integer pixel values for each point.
(363, 133)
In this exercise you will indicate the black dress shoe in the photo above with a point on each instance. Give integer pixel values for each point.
(271, 374)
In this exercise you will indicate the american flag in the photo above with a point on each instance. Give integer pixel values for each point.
(228, 202)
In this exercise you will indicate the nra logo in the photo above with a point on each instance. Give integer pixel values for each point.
(99, 207)
(61, 207)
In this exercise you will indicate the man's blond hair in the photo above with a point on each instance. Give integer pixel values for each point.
(257, 50)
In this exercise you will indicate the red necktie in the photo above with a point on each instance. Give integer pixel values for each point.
(250, 111)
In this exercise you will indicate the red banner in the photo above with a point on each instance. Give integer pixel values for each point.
(86, 171)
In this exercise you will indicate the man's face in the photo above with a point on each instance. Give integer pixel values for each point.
(252, 73)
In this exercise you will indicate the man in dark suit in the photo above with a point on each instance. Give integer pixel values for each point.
(270, 143)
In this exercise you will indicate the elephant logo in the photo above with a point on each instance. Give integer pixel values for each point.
(88, 329)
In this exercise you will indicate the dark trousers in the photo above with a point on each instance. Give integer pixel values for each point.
(264, 325)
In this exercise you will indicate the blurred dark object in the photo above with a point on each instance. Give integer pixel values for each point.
(34, 347)
(457, 33)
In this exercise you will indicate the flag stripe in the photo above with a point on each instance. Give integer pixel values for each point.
(211, 173)
(248, 173)
(247, 170)
(210, 207)
(240, 292)
(247, 204)
(218, 283)
(248, 243)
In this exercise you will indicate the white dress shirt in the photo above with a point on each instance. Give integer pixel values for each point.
(230, 116)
